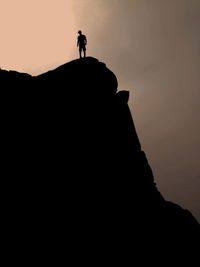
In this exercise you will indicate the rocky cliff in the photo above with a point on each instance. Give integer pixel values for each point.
(73, 164)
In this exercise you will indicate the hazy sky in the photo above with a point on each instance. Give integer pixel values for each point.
(153, 46)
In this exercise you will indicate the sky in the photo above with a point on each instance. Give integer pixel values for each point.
(153, 47)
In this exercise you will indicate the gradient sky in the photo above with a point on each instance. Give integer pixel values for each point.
(153, 46)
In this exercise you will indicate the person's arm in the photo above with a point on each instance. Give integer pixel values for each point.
(85, 40)
(77, 41)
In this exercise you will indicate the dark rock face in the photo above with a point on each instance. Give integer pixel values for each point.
(73, 163)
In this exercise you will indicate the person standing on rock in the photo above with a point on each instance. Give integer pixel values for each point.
(81, 43)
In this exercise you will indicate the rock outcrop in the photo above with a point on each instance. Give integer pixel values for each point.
(73, 164)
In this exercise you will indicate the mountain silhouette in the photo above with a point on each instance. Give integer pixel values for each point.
(74, 168)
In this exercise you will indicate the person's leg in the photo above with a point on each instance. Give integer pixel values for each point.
(80, 52)
(84, 51)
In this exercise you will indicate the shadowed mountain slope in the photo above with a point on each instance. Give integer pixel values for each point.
(73, 163)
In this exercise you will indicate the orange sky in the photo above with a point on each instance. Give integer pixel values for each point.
(36, 35)
(152, 47)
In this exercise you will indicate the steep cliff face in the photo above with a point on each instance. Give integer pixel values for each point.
(72, 156)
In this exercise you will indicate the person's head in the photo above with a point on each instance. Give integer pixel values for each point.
(80, 32)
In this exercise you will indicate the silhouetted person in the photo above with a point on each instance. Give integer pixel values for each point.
(82, 42)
